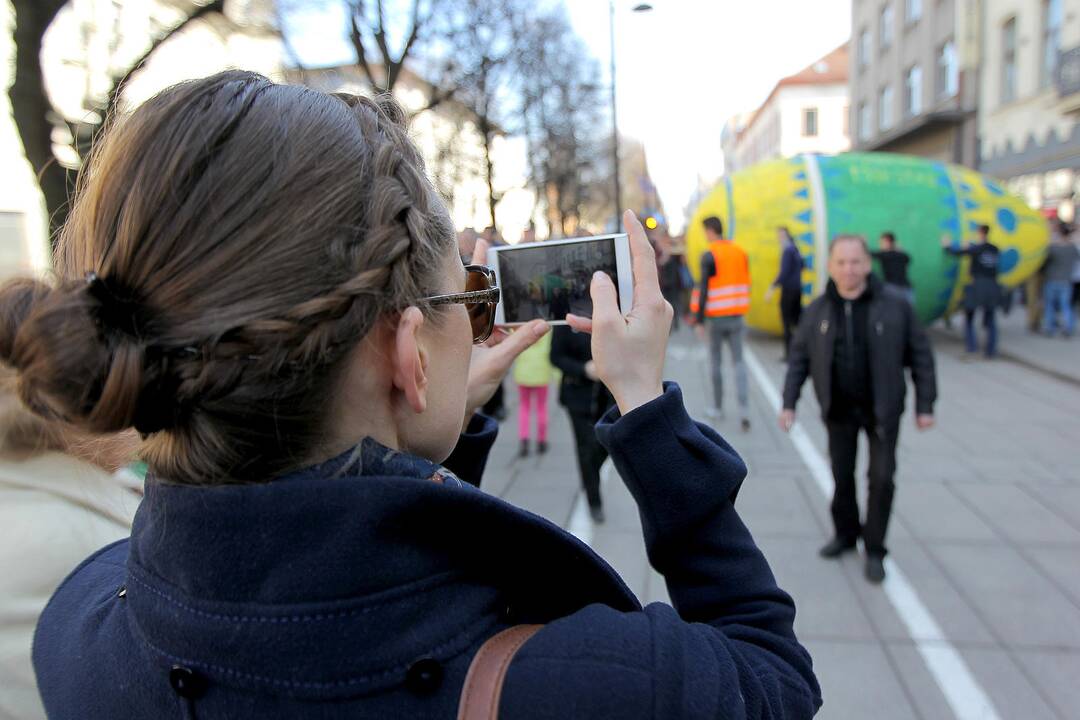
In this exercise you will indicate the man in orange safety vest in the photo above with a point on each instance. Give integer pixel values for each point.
(718, 304)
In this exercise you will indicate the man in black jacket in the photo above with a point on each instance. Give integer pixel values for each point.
(854, 341)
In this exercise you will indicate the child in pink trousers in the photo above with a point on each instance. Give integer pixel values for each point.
(533, 373)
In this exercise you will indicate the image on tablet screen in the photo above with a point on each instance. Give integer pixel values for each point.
(547, 282)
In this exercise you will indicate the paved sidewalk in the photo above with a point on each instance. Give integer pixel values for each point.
(986, 529)
(1056, 356)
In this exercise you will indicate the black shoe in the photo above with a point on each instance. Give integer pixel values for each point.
(499, 414)
(745, 425)
(875, 569)
(835, 548)
(524, 451)
(597, 513)
(541, 447)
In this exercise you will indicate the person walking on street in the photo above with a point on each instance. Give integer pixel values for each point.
(586, 400)
(718, 306)
(894, 265)
(854, 342)
(983, 293)
(789, 280)
(669, 265)
(533, 373)
(1061, 260)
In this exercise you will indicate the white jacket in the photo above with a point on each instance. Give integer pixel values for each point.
(54, 512)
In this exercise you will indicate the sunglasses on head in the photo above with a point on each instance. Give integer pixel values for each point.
(480, 298)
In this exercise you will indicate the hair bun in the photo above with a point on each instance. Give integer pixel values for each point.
(67, 368)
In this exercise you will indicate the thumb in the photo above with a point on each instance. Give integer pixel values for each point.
(605, 298)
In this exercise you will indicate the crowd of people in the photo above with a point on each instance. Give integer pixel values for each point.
(289, 383)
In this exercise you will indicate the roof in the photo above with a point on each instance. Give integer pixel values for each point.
(831, 69)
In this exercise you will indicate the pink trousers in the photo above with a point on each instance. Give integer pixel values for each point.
(527, 398)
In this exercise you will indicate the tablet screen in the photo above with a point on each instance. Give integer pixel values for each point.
(547, 281)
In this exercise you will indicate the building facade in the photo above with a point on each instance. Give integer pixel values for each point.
(1030, 99)
(914, 77)
(805, 113)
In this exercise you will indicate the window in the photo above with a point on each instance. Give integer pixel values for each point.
(885, 105)
(1051, 40)
(863, 50)
(885, 27)
(864, 121)
(913, 91)
(1008, 61)
(947, 79)
(809, 122)
(913, 11)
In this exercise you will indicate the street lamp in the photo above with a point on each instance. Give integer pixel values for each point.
(640, 8)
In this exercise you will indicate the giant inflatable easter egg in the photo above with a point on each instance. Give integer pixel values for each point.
(818, 197)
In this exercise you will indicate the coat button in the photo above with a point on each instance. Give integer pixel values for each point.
(186, 682)
(424, 676)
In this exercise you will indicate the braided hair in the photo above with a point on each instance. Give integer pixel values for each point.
(230, 242)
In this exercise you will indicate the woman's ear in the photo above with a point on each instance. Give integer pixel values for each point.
(410, 359)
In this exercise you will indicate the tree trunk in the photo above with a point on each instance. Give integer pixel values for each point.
(489, 171)
(31, 108)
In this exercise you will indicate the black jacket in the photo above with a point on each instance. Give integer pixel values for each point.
(896, 341)
(577, 393)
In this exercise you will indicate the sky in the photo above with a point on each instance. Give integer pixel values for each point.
(682, 69)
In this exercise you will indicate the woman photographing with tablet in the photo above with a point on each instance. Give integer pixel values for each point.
(261, 280)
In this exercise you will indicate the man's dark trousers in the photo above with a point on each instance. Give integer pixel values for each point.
(843, 441)
(790, 312)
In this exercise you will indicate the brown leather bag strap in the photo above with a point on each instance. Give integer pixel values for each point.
(484, 681)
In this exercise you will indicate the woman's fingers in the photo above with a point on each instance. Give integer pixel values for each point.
(642, 259)
(480, 252)
(581, 324)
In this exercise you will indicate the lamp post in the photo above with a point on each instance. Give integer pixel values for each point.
(643, 7)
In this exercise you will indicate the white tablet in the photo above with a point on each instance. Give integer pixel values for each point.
(547, 280)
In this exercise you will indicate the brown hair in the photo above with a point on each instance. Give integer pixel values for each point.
(849, 238)
(713, 223)
(230, 242)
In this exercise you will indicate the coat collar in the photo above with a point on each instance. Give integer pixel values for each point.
(234, 578)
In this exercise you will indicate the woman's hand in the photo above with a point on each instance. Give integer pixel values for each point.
(492, 360)
(629, 352)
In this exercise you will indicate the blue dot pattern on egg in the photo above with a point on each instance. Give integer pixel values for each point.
(1006, 219)
(1008, 260)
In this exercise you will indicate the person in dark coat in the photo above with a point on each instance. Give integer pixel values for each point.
(301, 360)
(854, 342)
(983, 293)
(586, 400)
(789, 280)
(894, 265)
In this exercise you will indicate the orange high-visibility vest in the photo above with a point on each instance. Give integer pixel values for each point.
(729, 287)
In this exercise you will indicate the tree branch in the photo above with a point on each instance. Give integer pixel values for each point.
(357, 37)
(216, 6)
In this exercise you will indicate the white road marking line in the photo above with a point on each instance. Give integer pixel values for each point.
(962, 691)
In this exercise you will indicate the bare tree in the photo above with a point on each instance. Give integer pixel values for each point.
(562, 107)
(482, 41)
(36, 118)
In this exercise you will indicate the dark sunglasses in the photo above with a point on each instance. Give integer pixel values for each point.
(480, 298)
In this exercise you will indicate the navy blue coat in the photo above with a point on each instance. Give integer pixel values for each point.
(363, 592)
